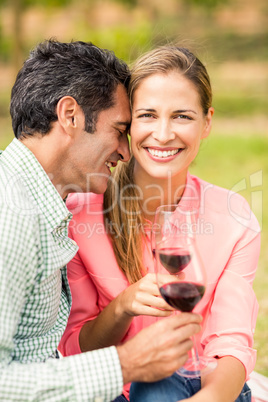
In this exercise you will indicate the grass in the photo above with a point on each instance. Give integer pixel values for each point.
(230, 161)
(240, 105)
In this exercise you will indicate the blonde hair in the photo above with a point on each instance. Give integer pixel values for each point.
(127, 239)
(171, 58)
(124, 221)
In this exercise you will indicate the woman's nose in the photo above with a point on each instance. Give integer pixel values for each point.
(163, 132)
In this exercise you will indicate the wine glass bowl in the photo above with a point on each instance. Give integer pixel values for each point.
(180, 273)
(182, 293)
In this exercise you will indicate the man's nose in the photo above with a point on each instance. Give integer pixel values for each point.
(123, 149)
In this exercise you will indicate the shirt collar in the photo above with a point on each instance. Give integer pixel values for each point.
(22, 163)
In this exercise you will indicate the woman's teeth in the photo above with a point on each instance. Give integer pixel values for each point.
(162, 154)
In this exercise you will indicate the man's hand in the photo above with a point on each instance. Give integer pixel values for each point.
(159, 350)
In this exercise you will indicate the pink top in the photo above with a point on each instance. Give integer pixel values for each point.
(228, 239)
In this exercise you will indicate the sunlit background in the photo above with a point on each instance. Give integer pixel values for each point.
(229, 36)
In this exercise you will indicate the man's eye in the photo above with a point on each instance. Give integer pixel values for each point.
(123, 133)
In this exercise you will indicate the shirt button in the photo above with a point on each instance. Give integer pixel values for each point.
(74, 243)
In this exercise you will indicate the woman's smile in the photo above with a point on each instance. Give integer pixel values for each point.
(163, 154)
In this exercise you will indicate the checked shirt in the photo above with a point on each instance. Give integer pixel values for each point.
(35, 297)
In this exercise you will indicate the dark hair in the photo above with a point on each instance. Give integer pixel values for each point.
(53, 70)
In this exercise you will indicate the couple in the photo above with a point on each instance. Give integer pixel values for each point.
(70, 113)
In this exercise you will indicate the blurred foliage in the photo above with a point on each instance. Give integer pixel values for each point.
(127, 42)
(130, 3)
(238, 105)
(191, 18)
(234, 46)
(28, 3)
(208, 4)
(13, 48)
(46, 3)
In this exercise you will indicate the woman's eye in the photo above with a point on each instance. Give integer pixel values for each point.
(183, 117)
(145, 115)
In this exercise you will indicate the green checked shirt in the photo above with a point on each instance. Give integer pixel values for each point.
(35, 297)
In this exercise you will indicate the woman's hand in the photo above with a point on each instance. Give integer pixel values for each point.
(143, 298)
(112, 324)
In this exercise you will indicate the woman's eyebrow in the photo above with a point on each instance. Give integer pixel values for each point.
(184, 111)
(146, 110)
(175, 111)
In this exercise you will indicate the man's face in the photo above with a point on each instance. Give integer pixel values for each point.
(93, 154)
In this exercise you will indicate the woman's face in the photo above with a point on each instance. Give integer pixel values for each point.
(167, 125)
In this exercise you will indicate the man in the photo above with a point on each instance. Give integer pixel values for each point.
(70, 115)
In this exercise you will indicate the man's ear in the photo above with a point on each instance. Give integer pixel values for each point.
(208, 123)
(70, 115)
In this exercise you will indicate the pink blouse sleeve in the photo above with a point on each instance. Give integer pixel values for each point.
(230, 325)
(84, 306)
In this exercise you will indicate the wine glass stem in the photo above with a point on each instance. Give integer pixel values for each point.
(195, 357)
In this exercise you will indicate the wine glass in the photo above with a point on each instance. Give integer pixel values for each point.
(175, 250)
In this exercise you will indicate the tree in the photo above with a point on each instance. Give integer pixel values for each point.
(17, 9)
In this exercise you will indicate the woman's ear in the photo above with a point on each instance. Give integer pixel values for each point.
(70, 115)
(208, 122)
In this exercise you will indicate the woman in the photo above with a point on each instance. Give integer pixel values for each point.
(112, 276)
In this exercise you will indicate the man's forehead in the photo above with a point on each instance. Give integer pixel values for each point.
(115, 117)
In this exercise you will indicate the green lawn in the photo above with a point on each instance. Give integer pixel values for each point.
(230, 161)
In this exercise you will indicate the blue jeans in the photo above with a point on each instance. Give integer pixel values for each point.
(173, 389)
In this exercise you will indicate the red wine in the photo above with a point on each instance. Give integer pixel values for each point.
(174, 260)
(183, 296)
